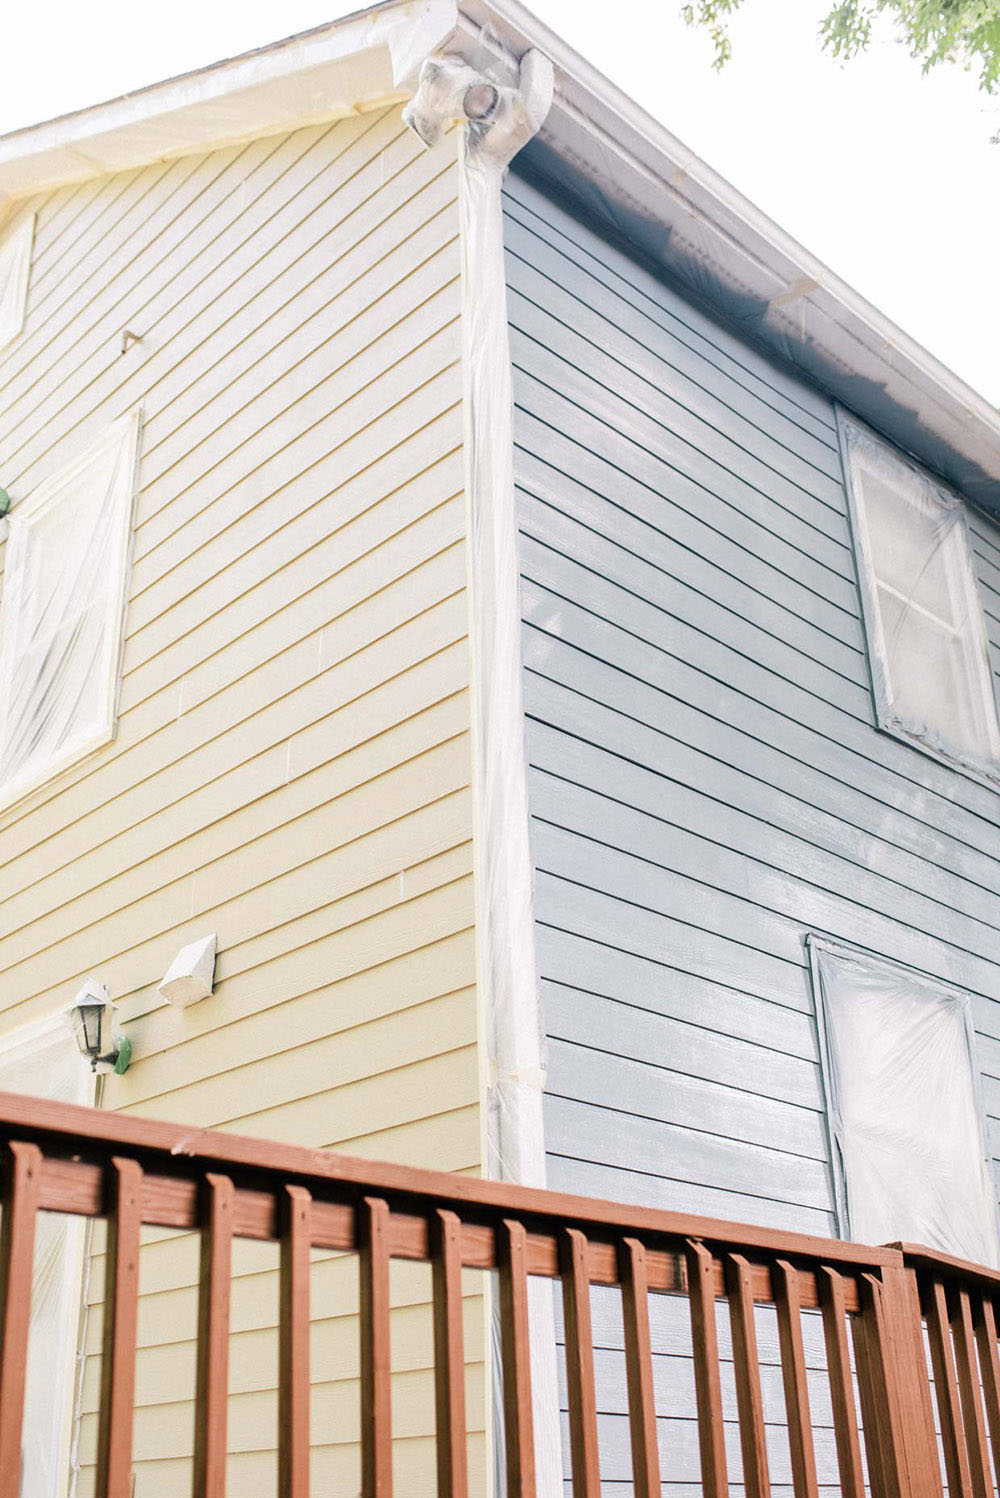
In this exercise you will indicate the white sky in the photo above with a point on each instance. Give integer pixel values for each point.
(887, 176)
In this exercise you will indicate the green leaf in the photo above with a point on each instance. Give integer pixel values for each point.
(962, 32)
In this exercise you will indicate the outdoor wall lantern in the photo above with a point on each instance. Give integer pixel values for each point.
(92, 1016)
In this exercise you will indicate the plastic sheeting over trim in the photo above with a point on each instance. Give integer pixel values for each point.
(905, 1116)
(62, 612)
(362, 62)
(497, 120)
(497, 123)
(15, 266)
(927, 642)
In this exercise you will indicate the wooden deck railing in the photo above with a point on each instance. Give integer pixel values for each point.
(881, 1310)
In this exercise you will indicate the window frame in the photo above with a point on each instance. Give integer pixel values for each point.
(852, 433)
(818, 944)
(16, 244)
(123, 433)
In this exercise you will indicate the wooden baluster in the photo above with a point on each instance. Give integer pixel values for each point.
(639, 1369)
(838, 1363)
(449, 1357)
(793, 1371)
(946, 1388)
(121, 1310)
(22, 1169)
(874, 1415)
(512, 1257)
(293, 1344)
(211, 1400)
(749, 1401)
(376, 1358)
(573, 1249)
(707, 1383)
(972, 1406)
(989, 1361)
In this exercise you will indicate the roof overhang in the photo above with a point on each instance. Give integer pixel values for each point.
(642, 182)
(361, 62)
(608, 153)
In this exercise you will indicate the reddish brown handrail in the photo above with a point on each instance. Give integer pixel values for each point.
(872, 1309)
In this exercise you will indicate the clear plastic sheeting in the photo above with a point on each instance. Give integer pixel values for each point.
(15, 266)
(332, 72)
(497, 122)
(61, 612)
(43, 1059)
(904, 1107)
(926, 629)
(514, 1028)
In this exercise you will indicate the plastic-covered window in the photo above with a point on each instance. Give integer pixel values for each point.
(906, 1120)
(15, 264)
(926, 632)
(61, 612)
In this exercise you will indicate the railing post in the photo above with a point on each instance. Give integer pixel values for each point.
(707, 1380)
(515, 1352)
(376, 1359)
(449, 1356)
(639, 1368)
(894, 1389)
(838, 1362)
(293, 1343)
(212, 1388)
(581, 1388)
(22, 1170)
(121, 1312)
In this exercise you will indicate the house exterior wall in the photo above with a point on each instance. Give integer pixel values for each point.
(707, 784)
(291, 767)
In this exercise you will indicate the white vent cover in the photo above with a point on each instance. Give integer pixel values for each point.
(191, 975)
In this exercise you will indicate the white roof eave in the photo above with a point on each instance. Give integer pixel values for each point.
(358, 63)
(626, 167)
(643, 182)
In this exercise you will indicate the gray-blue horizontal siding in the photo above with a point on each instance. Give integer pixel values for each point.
(707, 783)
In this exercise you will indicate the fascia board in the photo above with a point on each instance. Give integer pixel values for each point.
(632, 172)
(360, 63)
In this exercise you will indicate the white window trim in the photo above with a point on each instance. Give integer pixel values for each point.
(124, 432)
(847, 951)
(15, 250)
(853, 433)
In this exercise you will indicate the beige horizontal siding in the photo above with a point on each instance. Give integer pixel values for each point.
(292, 764)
